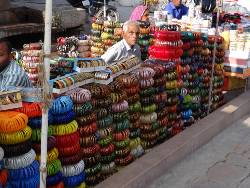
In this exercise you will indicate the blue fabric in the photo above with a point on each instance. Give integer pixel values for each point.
(176, 12)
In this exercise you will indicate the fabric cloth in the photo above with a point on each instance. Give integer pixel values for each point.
(13, 76)
(138, 13)
(120, 51)
(176, 12)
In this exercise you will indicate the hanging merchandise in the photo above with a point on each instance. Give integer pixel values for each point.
(144, 39)
(67, 47)
(101, 101)
(132, 89)
(121, 123)
(32, 57)
(160, 99)
(87, 121)
(19, 157)
(84, 46)
(68, 142)
(97, 48)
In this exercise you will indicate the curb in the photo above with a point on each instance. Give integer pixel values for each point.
(150, 166)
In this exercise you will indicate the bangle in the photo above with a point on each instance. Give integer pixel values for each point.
(62, 105)
(120, 107)
(11, 121)
(109, 168)
(165, 35)
(129, 81)
(74, 181)
(82, 121)
(117, 117)
(133, 99)
(124, 161)
(31, 109)
(27, 183)
(37, 133)
(107, 150)
(105, 122)
(135, 125)
(17, 137)
(132, 90)
(51, 144)
(91, 161)
(88, 141)
(144, 84)
(106, 141)
(105, 102)
(80, 96)
(123, 135)
(15, 149)
(65, 129)
(147, 92)
(149, 118)
(51, 156)
(71, 159)
(1, 155)
(3, 177)
(134, 133)
(103, 133)
(69, 151)
(36, 123)
(67, 140)
(73, 170)
(134, 117)
(94, 170)
(121, 153)
(82, 110)
(118, 97)
(52, 181)
(121, 126)
(108, 158)
(145, 73)
(148, 109)
(93, 180)
(134, 143)
(101, 112)
(54, 167)
(20, 161)
(90, 151)
(99, 91)
(121, 144)
(24, 173)
(64, 118)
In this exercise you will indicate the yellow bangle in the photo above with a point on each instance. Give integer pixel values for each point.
(51, 156)
(17, 137)
(65, 129)
(83, 185)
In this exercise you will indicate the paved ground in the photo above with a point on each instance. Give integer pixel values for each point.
(224, 162)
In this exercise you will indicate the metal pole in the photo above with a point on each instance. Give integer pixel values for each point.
(104, 8)
(219, 4)
(47, 51)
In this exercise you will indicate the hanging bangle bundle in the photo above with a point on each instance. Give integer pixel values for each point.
(71, 159)
(105, 122)
(20, 161)
(85, 120)
(90, 151)
(88, 129)
(36, 134)
(62, 105)
(67, 140)
(149, 118)
(12, 121)
(16, 149)
(82, 110)
(120, 107)
(73, 170)
(106, 141)
(17, 137)
(65, 129)
(88, 141)
(74, 181)
(52, 181)
(54, 167)
(105, 132)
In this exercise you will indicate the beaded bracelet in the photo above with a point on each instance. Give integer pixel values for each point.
(28, 183)
(54, 167)
(85, 120)
(91, 161)
(82, 110)
(90, 151)
(88, 129)
(73, 170)
(11, 121)
(24, 173)
(65, 129)
(15, 149)
(52, 181)
(20, 161)
(106, 141)
(105, 132)
(88, 141)
(17, 137)
(71, 159)
(74, 181)
(62, 105)
(37, 133)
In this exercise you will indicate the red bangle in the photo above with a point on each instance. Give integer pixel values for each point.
(31, 109)
(107, 150)
(71, 160)
(88, 129)
(164, 52)
(121, 136)
(59, 185)
(69, 151)
(167, 35)
(90, 151)
(67, 140)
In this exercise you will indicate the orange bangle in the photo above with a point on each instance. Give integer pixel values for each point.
(11, 121)
(31, 109)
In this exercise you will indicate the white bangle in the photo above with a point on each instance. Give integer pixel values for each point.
(73, 170)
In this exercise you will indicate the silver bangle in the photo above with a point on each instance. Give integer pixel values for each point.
(73, 170)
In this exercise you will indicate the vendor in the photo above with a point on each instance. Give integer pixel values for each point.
(11, 74)
(176, 9)
(127, 46)
(141, 13)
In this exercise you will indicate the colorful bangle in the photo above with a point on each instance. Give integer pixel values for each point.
(31, 109)
(82, 121)
(37, 133)
(133, 99)
(36, 123)
(149, 118)
(103, 133)
(91, 161)
(106, 141)
(88, 141)
(65, 129)
(117, 117)
(51, 156)
(80, 95)
(64, 118)
(74, 181)
(124, 161)
(108, 158)
(50, 145)
(17, 137)
(120, 107)
(101, 112)
(122, 152)
(90, 151)
(69, 151)
(82, 110)
(73, 170)
(12, 121)
(28, 183)
(67, 140)
(54, 167)
(71, 159)
(123, 135)
(52, 181)
(62, 105)
(105, 122)
(94, 170)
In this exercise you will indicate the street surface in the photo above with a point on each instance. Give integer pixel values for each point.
(224, 162)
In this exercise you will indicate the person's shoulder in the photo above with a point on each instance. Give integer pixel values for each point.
(118, 46)
(15, 68)
(184, 7)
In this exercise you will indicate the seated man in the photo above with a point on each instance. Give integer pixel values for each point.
(11, 74)
(176, 9)
(127, 46)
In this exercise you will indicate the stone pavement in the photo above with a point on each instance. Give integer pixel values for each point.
(224, 162)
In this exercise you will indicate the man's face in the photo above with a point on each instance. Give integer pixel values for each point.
(176, 2)
(131, 34)
(5, 56)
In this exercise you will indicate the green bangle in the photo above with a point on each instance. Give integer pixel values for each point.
(108, 158)
(36, 134)
(105, 122)
(147, 92)
(119, 116)
(54, 167)
(118, 127)
(136, 107)
(82, 110)
(106, 141)
(121, 144)
(149, 109)
(94, 170)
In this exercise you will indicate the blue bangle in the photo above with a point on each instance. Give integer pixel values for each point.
(61, 105)
(24, 183)
(64, 118)
(74, 181)
(54, 180)
(24, 173)
(36, 123)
